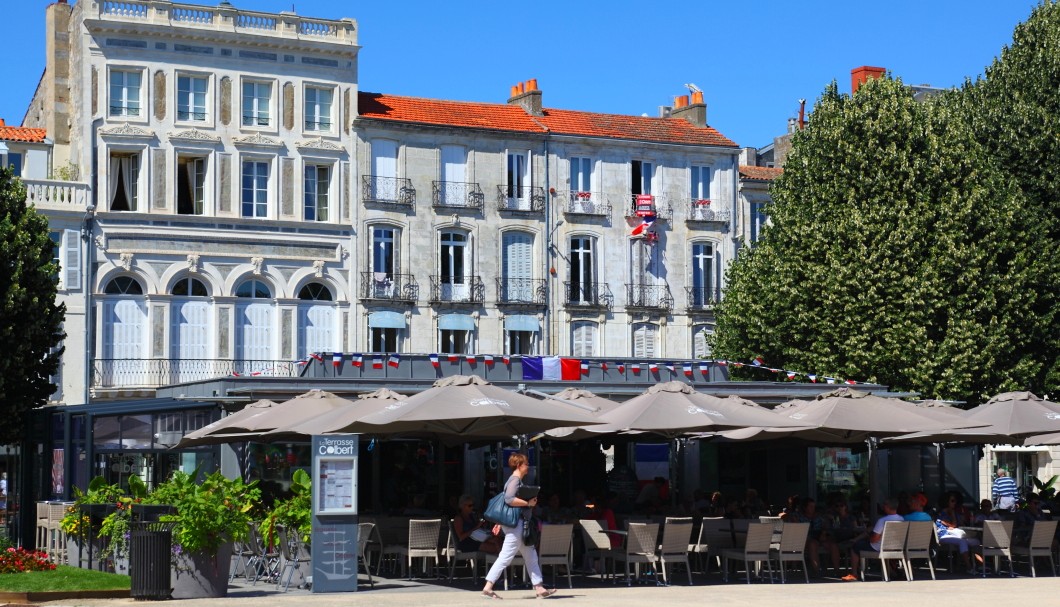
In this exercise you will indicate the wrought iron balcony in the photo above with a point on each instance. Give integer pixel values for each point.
(456, 194)
(588, 295)
(527, 199)
(155, 372)
(531, 291)
(643, 205)
(586, 203)
(702, 298)
(391, 287)
(388, 190)
(704, 210)
(446, 289)
(649, 297)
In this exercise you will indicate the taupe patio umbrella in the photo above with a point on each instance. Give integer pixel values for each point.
(335, 421)
(226, 426)
(587, 398)
(471, 407)
(1010, 417)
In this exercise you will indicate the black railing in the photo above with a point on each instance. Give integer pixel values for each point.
(156, 372)
(457, 194)
(319, 125)
(588, 295)
(649, 297)
(702, 298)
(526, 199)
(189, 115)
(521, 291)
(643, 205)
(388, 190)
(469, 289)
(256, 120)
(124, 110)
(387, 286)
(586, 203)
(705, 210)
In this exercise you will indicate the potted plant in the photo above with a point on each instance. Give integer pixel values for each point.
(208, 517)
(84, 518)
(294, 513)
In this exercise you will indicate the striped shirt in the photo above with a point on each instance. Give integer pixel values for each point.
(1004, 486)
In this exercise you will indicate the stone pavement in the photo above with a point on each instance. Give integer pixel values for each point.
(947, 591)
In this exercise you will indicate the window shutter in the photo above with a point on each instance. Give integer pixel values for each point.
(644, 341)
(583, 339)
(71, 270)
(699, 341)
(517, 255)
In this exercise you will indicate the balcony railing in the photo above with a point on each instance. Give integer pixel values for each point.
(706, 211)
(527, 199)
(446, 289)
(651, 297)
(521, 291)
(586, 203)
(588, 295)
(702, 298)
(391, 287)
(388, 190)
(60, 195)
(153, 373)
(643, 205)
(457, 194)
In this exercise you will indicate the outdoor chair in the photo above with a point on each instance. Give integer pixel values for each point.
(715, 535)
(778, 528)
(1040, 545)
(241, 560)
(56, 537)
(674, 546)
(597, 543)
(997, 542)
(422, 544)
(373, 544)
(640, 549)
(454, 555)
(918, 545)
(755, 550)
(294, 553)
(265, 560)
(792, 548)
(892, 548)
(949, 548)
(556, 549)
(364, 536)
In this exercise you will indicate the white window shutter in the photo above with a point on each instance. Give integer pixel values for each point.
(71, 270)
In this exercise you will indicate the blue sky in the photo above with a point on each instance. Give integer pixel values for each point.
(754, 59)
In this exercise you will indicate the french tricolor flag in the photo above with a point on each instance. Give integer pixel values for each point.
(434, 361)
(646, 223)
(653, 367)
(488, 359)
(585, 367)
(377, 362)
(635, 368)
(336, 359)
(317, 357)
(470, 359)
(791, 375)
(723, 363)
(670, 368)
(357, 360)
(507, 360)
(394, 360)
(758, 361)
(603, 366)
(621, 367)
(704, 368)
(813, 377)
(688, 370)
(454, 358)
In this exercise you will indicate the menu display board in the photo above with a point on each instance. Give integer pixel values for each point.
(335, 476)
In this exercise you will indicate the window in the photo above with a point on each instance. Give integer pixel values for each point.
(191, 185)
(317, 186)
(123, 285)
(254, 289)
(643, 263)
(454, 341)
(581, 171)
(255, 188)
(517, 267)
(454, 192)
(57, 247)
(384, 184)
(518, 176)
(125, 93)
(124, 333)
(583, 338)
(254, 328)
(384, 261)
(582, 270)
(316, 319)
(759, 217)
(317, 109)
(521, 342)
(190, 328)
(71, 259)
(641, 177)
(385, 339)
(700, 344)
(257, 97)
(453, 260)
(645, 336)
(191, 98)
(123, 182)
(705, 274)
(14, 162)
(189, 287)
(700, 186)
(315, 291)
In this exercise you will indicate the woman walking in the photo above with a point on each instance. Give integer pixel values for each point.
(513, 536)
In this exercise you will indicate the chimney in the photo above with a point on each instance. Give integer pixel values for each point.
(2, 123)
(527, 95)
(55, 84)
(860, 75)
(802, 114)
(694, 112)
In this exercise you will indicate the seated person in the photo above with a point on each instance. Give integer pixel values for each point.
(872, 541)
(1023, 524)
(842, 524)
(465, 523)
(819, 536)
(985, 512)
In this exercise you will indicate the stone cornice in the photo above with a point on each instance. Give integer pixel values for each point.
(127, 131)
(320, 145)
(258, 140)
(194, 135)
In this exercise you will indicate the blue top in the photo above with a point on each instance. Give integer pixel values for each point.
(918, 516)
(1004, 486)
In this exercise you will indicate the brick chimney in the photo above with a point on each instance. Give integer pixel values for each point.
(527, 95)
(860, 75)
(694, 112)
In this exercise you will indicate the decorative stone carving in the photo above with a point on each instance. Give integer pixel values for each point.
(257, 139)
(94, 85)
(127, 131)
(101, 242)
(341, 253)
(160, 95)
(288, 106)
(194, 135)
(318, 266)
(319, 144)
(256, 262)
(193, 263)
(226, 100)
(125, 260)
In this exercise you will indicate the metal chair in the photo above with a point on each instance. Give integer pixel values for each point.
(755, 550)
(1040, 545)
(715, 535)
(241, 558)
(892, 548)
(454, 555)
(640, 548)
(364, 536)
(422, 544)
(597, 542)
(918, 545)
(792, 547)
(294, 553)
(997, 542)
(556, 549)
(674, 546)
(265, 561)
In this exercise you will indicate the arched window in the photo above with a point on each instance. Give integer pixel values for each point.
(315, 291)
(254, 324)
(124, 285)
(255, 289)
(316, 320)
(189, 287)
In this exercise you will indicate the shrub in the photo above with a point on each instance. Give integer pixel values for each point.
(20, 560)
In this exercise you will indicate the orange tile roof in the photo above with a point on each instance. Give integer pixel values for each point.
(760, 173)
(18, 133)
(505, 117)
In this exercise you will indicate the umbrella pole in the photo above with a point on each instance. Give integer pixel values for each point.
(874, 478)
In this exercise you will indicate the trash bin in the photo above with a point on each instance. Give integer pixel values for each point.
(150, 545)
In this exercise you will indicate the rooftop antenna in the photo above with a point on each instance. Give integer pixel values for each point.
(692, 88)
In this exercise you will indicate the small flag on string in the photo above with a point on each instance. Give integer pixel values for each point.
(394, 361)
(791, 375)
(434, 361)
(621, 367)
(454, 358)
(304, 361)
(603, 366)
(829, 380)
(851, 382)
(507, 360)
(688, 370)
(635, 368)
(813, 378)
(317, 356)
(470, 359)
(653, 367)
(758, 361)
(377, 362)
(704, 368)
(357, 360)
(722, 363)
(670, 367)
(585, 367)
(488, 359)
(336, 359)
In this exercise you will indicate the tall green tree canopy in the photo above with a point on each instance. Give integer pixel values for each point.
(897, 254)
(30, 321)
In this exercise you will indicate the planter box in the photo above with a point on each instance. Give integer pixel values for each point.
(198, 575)
(77, 553)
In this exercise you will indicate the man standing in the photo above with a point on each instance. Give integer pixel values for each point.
(1004, 491)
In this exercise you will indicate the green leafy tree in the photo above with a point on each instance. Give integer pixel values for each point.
(898, 254)
(30, 320)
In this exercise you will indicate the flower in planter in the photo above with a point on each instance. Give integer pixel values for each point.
(207, 514)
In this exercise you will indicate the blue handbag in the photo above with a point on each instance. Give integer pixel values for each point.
(499, 512)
